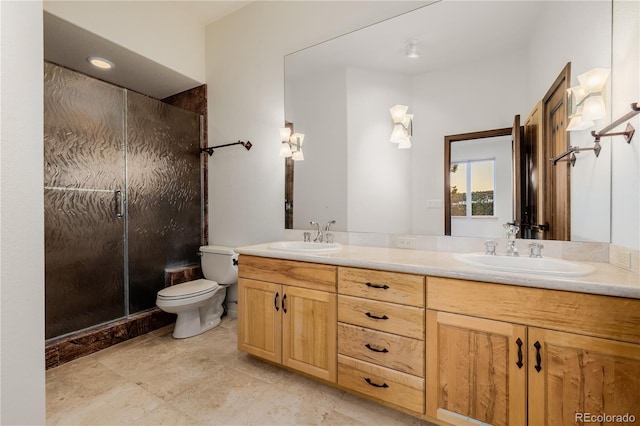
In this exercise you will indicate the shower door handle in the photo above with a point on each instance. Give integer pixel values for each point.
(119, 202)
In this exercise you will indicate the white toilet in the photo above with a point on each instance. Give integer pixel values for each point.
(199, 303)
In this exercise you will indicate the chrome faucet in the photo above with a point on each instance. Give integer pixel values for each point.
(318, 238)
(512, 229)
(328, 236)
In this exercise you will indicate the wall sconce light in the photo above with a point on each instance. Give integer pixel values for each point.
(402, 126)
(291, 144)
(585, 101)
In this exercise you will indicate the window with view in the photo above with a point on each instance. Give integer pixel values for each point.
(475, 181)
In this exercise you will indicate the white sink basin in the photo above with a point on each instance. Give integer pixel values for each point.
(527, 265)
(305, 247)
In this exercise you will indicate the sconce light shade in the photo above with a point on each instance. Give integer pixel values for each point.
(291, 144)
(577, 123)
(285, 150)
(398, 133)
(586, 102)
(398, 113)
(593, 108)
(402, 126)
(404, 143)
(594, 79)
(285, 132)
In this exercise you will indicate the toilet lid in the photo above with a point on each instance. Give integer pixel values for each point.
(188, 289)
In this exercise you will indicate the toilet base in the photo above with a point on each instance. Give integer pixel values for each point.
(188, 324)
(197, 320)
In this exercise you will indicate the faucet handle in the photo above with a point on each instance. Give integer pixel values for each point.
(307, 237)
(535, 250)
(490, 247)
(328, 237)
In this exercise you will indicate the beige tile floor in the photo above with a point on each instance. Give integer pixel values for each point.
(204, 380)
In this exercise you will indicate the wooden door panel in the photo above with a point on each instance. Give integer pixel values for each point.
(309, 332)
(473, 373)
(579, 375)
(259, 319)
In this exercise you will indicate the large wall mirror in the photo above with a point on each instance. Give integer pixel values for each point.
(480, 64)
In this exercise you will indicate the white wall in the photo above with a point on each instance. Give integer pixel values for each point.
(245, 78)
(453, 101)
(162, 31)
(22, 397)
(379, 174)
(625, 191)
(320, 192)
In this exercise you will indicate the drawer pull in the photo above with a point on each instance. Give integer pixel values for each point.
(384, 317)
(384, 385)
(383, 287)
(371, 348)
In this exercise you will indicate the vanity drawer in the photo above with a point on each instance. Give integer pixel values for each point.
(382, 383)
(406, 289)
(299, 274)
(389, 350)
(406, 321)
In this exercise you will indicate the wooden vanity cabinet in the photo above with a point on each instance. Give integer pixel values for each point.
(287, 314)
(381, 336)
(513, 355)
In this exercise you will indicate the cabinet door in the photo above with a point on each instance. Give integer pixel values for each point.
(260, 319)
(309, 323)
(572, 376)
(475, 370)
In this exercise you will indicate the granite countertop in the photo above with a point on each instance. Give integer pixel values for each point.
(606, 280)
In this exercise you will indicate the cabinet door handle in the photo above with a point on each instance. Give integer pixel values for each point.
(275, 301)
(284, 306)
(538, 366)
(371, 348)
(383, 287)
(519, 343)
(384, 317)
(368, 380)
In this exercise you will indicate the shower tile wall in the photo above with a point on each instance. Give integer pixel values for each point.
(93, 133)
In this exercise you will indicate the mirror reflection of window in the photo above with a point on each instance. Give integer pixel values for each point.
(473, 180)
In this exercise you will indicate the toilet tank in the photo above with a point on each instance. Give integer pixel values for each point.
(219, 264)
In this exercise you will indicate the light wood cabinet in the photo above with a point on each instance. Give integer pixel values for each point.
(476, 370)
(490, 369)
(455, 351)
(571, 375)
(290, 325)
(381, 336)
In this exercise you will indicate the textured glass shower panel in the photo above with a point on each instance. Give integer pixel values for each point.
(164, 196)
(83, 167)
(84, 261)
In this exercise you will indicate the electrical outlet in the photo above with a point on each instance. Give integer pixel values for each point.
(406, 243)
(622, 259)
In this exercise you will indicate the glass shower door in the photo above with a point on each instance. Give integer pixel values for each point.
(84, 180)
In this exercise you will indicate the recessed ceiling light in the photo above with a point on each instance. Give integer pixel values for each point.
(101, 63)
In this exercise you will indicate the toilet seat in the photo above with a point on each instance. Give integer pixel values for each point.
(188, 290)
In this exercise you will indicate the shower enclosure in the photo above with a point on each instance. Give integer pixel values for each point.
(123, 199)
